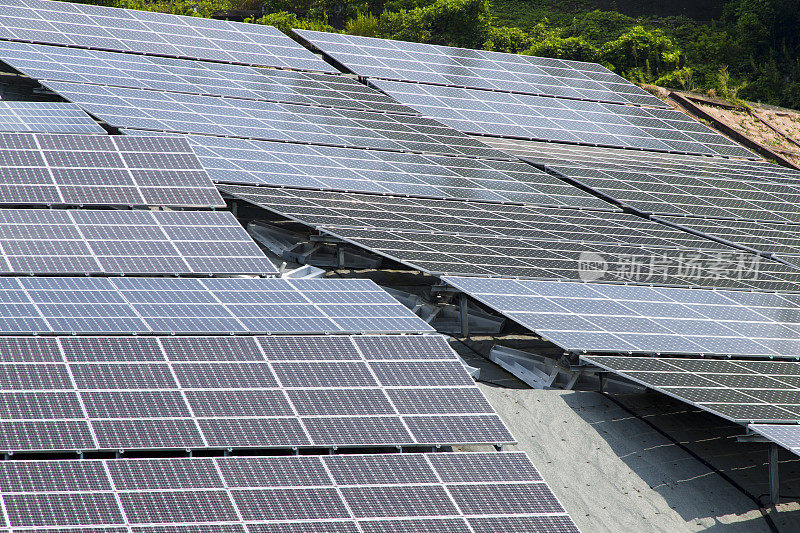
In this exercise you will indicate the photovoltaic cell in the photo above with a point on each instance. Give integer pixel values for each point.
(151, 33)
(159, 111)
(183, 305)
(82, 170)
(111, 393)
(477, 69)
(741, 391)
(52, 117)
(669, 184)
(594, 317)
(213, 498)
(472, 238)
(539, 118)
(44, 62)
(244, 161)
(36, 241)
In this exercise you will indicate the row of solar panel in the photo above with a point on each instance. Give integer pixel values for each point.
(477, 69)
(110, 393)
(565, 121)
(229, 160)
(73, 169)
(672, 184)
(194, 77)
(222, 116)
(592, 317)
(453, 492)
(57, 117)
(450, 237)
(38, 241)
(183, 305)
(741, 391)
(152, 33)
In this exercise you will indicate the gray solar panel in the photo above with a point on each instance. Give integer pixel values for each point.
(151, 33)
(182, 305)
(245, 161)
(53, 169)
(44, 62)
(471, 238)
(594, 317)
(741, 391)
(280, 494)
(477, 69)
(566, 121)
(36, 241)
(670, 184)
(52, 117)
(112, 393)
(222, 116)
(770, 238)
(785, 435)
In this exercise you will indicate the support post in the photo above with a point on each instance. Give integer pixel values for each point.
(339, 256)
(463, 305)
(774, 477)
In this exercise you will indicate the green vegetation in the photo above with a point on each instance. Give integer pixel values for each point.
(739, 49)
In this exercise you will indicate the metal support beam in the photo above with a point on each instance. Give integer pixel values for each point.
(463, 301)
(774, 475)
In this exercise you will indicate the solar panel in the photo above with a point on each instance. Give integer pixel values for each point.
(477, 69)
(112, 393)
(51, 169)
(774, 239)
(740, 391)
(246, 161)
(785, 435)
(595, 318)
(193, 306)
(281, 494)
(541, 118)
(37, 241)
(44, 62)
(221, 116)
(151, 33)
(470, 238)
(53, 117)
(672, 184)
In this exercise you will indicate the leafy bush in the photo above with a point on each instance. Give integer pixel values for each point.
(510, 40)
(286, 21)
(462, 23)
(641, 53)
(573, 48)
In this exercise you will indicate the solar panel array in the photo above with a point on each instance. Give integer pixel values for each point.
(222, 116)
(246, 161)
(471, 238)
(564, 121)
(477, 69)
(595, 317)
(670, 184)
(54, 117)
(193, 77)
(52, 169)
(458, 493)
(38, 241)
(740, 391)
(126, 393)
(151, 33)
(195, 306)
